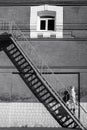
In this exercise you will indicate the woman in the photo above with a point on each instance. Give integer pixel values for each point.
(73, 98)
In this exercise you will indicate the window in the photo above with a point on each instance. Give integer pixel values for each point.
(47, 23)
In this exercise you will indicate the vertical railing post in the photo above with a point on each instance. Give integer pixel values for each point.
(10, 27)
(79, 96)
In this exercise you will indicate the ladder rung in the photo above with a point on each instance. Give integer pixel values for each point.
(67, 119)
(37, 92)
(29, 80)
(43, 94)
(54, 105)
(46, 98)
(31, 72)
(24, 66)
(12, 51)
(58, 114)
(22, 61)
(55, 109)
(61, 117)
(70, 123)
(32, 79)
(38, 86)
(15, 52)
(75, 125)
(19, 59)
(32, 85)
(28, 69)
(11, 47)
(29, 75)
(16, 56)
(40, 90)
(36, 83)
(50, 101)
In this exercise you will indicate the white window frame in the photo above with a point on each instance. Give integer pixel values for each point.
(46, 26)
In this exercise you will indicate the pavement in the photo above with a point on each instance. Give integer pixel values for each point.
(12, 128)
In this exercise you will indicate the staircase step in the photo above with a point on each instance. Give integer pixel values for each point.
(58, 114)
(24, 66)
(75, 126)
(27, 70)
(27, 76)
(15, 56)
(35, 83)
(18, 58)
(60, 118)
(53, 105)
(38, 89)
(43, 95)
(46, 98)
(70, 123)
(38, 85)
(13, 50)
(32, 79)
(55, 110)
(67, 119)
(41, 89)
(21, 62)
(10, 47)
(50, 101)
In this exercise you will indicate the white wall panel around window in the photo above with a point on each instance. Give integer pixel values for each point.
(35, 31)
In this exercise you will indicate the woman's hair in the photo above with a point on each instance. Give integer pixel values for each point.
(66, 96)
(66, 92)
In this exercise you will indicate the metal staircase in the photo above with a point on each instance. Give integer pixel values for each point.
(37, 84)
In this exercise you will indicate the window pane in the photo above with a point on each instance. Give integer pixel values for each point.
(42, 25)
(50, 24)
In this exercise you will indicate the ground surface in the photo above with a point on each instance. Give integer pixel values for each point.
(36, 129)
